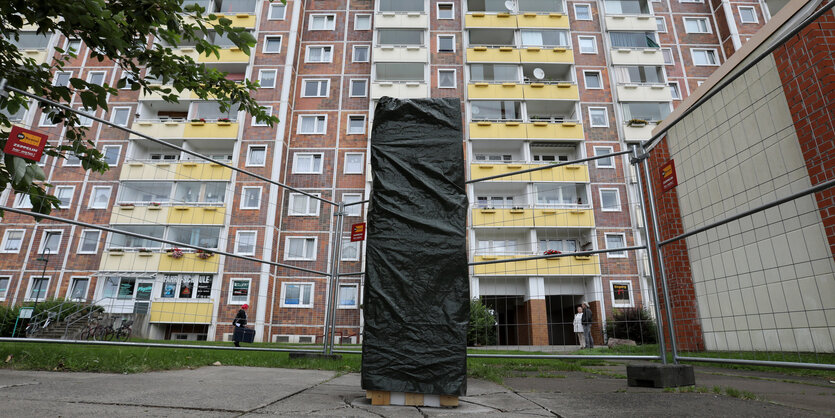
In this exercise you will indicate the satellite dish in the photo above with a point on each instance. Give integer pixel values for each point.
(476, 109)
(538, 73)
(508, 5)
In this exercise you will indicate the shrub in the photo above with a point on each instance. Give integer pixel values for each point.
(482, 326)
(633, 324)
(8, 315)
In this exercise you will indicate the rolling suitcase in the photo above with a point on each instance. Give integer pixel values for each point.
(244, 335)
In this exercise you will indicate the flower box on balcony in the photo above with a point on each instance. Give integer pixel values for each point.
(582, 257)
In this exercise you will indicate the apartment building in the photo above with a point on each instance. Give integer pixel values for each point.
(540, 82)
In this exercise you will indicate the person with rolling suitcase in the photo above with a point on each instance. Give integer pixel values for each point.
(240, 326)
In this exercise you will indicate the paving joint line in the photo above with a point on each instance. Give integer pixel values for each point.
(251, 411)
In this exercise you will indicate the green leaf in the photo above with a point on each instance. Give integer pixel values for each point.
(89, 99)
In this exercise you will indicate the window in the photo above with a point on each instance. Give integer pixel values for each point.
(615, 241)
(120, 116)
(78, 288)
(65, 194)
(661, 24)
(272, 44)
(238, 291)
(296, 295)
(300, 248)
(322, 22)
(446, 11)
(588, 44)
(47, 118)
(610, 200)
(604, 162)
(696, 25)
(277, 11)
(89, 241)
(598, 117)
(350, 250)
(37, 288)
(400, 37)
(62, 78)
(705, 57)
(593, 80)
(315, 88)
(100, 197)
(256, 156)
(674, 90)
(84, 120)
(255, 122)
(347, 296)
(266, 78)
(648, 111)
(582, 11)
(446, 79)
(307, 163)
(4, 287)
(314, 124)
(633, 40)
(362, 22)
(22, 201)
(399, 71)
(360, 53)
(747, 14)
(354, 162)
(251, 198)
(356, 124)
(111, 154)
(319, 54)
(12, 241)
(352, 210)
(494, 72)
(668, 56)
(497, 247)
(359, 88)
(563, 245)
(446, 43)
(73, 46)
(245, 242)
(621, 293)
(50, 242)
(96, 77)
(544, 38)
(303, 205)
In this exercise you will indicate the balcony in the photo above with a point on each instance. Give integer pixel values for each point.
(559, 266)
(225, 55)
(551, 91)
(561, 55)
(399, 89)
(524, 20)
(581, 217)
(575, 173)
(401, 20)
(393, 53)
(168, 129)
(191, 312)
(644, 93)
(206, 215)
(637, 56)
(197, 170)
(542, 20)
(189, 262)
(211, 129)
(493, 54)
(126, 214)
(644, 22)
(490, 20)
(186, 170)
(638, 133)
(484, 90)
(531, 130)
(239, 20)
(129, 261)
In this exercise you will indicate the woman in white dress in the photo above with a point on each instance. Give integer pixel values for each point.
(578, 326)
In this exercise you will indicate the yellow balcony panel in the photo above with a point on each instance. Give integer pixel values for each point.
(644, 93)
(202, 171)
(497, 130)
(139, 215)
(201, 215)
(546, 130)
(527, 217)
(400, 20)
(494, 91)
(133, 170)
(399, 90)
(543, 20)
(129, 261)
(186, 51)
(637, 56)
(487, 20)
(193, 312)
(240, 20)
(39, 55)
(400, 54)
(189, 262)
(547, 55)
(560, 266)
(558, 91)
(157, 96)
(159, 129)
(219, 130)
(485, 54)
(225, 55)
(576, 173)
(638, 133)
(644, 23)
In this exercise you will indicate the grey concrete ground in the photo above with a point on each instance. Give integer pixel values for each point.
(239, 391)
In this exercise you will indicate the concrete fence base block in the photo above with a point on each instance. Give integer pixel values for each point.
(660, 375)
(316, 355)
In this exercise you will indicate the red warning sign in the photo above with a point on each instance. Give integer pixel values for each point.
(358, 232)
(25, 143)
(668, 176)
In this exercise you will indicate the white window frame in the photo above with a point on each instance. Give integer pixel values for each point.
(287, 248)
(617, 199)
(243, 194)
(28, 296)
(261, 75)
(629, 293)
(315, 15)
(580, 47)
(663, 24)
(22, 201)
(348, 128)
(674, 84)
(753, 13)
(362, 164)
(296, 162)
(353, 210)
(438, 10)
(254, 242)
(67, 46)
(454, 78)
(367, 53)
(42, 244)
(115, 110)
(316, 80)
(707, 51)
(591, 16)
(84, 120)
(249, 150)
(4, 294)
(605, 116)
(6, 240)
(599, 77)
(280, 44)
(699, 18)
(92, 200)
(254, 121)
(347, 241)
(292, 200)
(229, 300)
(73, 281)
(351, 87)
(103, 77)
(325, 125)
(299, 305)
(356, 297)
(438, 42)
(72, 195)
(81, 241)
(45, 120)
(271, 15)
(673, 62)
(599, 160)
(307, 54)
(118, 154)
(370, 22)
(691, 1)
(606, 243)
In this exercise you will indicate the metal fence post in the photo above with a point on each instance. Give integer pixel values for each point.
(662, 347)
(656, 234)
(333, 298)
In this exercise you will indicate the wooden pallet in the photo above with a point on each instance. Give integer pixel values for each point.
(384, 397)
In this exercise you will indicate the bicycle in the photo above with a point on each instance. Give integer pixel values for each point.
(104, 333)
(90, 331)
(123, 332)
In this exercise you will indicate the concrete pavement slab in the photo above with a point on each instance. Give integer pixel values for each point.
(12, 407)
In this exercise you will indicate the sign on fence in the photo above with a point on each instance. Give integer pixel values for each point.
(358, 232)
(668, 176)
(25, 143)
(25, 313)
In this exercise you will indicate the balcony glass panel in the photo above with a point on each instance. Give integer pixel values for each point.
(496, 110)
(545, 38)
(493, 6)
(494, 72)
(30, 40)
(17, 116)
(648, 111)
(639, 74)
(202, 236)
(627, 7)
(235, 6)
(492, 37)
(541, 6)
(200, 192)
(126, 241)
(398, 71)
(221, 41)
(551, 110)
(400, 37)
(554, 195)
(553, 73)
(401, 5)
(212, 110)
(145, 192)
(633, 40)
